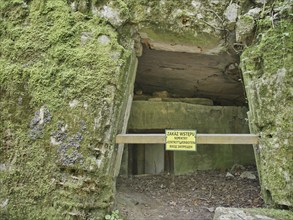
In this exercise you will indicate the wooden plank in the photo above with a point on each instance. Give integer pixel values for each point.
(201, 139)
(227, 139)
(140, 138)
(129, 94)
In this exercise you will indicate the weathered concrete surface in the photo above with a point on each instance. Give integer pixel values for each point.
(148, 116)
(185, 49)
(182, 74)
(222, 213)
(63, 84)
(65, 68)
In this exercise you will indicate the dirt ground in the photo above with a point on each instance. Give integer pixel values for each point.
(194, 196)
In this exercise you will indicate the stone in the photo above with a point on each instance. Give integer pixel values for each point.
(231, 14)
(222, 213)
(196, 4)
(248, 175)
(244, 28)
(53, 141)
(211, 209)
(229, 175)
(85, 37)
(73, 103)
(73, 6)
(4, 203)
(161, 94)
(267, 72)
(260, 2)
(111, 14)
(115, 55)
(254, 12)
(3, 167)
(104, 39)
(214, 2)
(236, 168)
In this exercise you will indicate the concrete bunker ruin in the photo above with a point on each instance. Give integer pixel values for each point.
(181, 86)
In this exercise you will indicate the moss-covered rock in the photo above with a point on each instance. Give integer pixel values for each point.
(181, 22)
(268, 77)
(61, 93)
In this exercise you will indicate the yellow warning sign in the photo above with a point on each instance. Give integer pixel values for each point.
(181, 140)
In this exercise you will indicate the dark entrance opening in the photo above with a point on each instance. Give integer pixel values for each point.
(186, 90)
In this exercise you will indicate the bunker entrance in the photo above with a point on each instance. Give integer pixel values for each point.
(178, 88)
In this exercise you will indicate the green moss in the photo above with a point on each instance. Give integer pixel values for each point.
(179, 21)
(190, 37)
(267, 71)
(50, 56)
(51, 45)
(273, 213)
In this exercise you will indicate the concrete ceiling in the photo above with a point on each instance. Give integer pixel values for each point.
(184, 74)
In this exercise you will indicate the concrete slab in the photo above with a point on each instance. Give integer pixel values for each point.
(222, 213)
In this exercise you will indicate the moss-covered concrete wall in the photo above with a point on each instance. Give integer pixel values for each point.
(267, 66)
(65, 67)
(64, 73)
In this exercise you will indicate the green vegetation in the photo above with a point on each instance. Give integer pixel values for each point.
(113, 216)
(50, 58)
(268, 76)
(273, 213)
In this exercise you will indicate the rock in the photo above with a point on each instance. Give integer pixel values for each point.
(229, 175)
(115, 55)
(244, 28)
(248, 175)
(232, 72)
(172, 203)
(111, 14)
(161, 94)
(104, 39)
(138, 92)
(211, 209)
(73, 103)
(231, 14)
(196, 4)
(260, 2)
(4, 203)
(8, 166)
(222, 213)
(255, 12)
(73, 6)
(214, 2)
(53, 141)
(85, 36)
(2, 167)
(236, 168)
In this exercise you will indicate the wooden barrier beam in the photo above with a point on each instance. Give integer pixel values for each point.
(201, 139)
